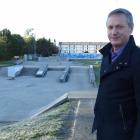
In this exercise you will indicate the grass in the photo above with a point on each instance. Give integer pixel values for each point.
(96, 64)
(6, 63)
(47, 124)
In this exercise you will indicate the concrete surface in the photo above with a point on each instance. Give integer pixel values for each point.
(74, 95)
(24, 96)
(82, 124)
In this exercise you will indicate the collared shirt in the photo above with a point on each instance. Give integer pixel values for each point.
(116, 54)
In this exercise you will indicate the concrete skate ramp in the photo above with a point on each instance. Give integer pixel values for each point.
(74, 95)
(21, 98)
(29, 71)
(3, 71)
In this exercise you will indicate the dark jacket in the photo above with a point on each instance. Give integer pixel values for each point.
(117, 108)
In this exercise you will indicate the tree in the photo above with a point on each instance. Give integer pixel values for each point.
(5, 33)
(46, 47)
(43, 47)
(10, 45)
(18, 44)
(55, 50)
(5, 36)
(29, 44)
(28, 31)
(3, 49)
(14, 45)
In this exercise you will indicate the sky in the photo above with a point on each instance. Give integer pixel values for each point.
(64, 20)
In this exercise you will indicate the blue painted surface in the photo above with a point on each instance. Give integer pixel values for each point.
(81, 55)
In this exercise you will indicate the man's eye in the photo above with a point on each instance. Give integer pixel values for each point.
(110, 27)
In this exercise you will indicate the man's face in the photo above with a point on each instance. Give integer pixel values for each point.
(118, 30)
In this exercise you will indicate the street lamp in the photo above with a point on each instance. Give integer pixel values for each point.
(34, 47)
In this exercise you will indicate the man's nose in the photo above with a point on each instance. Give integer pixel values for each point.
(114, 31)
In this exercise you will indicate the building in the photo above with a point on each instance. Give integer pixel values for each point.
(80, 47)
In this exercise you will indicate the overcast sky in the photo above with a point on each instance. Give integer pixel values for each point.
(64, 20)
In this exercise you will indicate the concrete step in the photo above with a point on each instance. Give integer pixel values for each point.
(29, 71)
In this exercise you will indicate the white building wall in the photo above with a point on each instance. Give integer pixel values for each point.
(80, 47)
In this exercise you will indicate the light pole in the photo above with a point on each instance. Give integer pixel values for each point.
(34, 47)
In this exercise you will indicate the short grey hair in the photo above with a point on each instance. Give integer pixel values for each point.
(125, 12)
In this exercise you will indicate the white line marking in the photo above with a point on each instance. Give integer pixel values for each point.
(76, 114)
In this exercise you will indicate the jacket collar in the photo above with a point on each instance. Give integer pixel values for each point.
(106, 49)
(122, 61)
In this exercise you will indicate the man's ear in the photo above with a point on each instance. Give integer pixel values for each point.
(131, 28)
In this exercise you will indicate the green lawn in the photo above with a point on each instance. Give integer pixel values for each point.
(47, 124)
(6, 63)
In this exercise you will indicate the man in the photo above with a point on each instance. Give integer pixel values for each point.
(117, 108)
